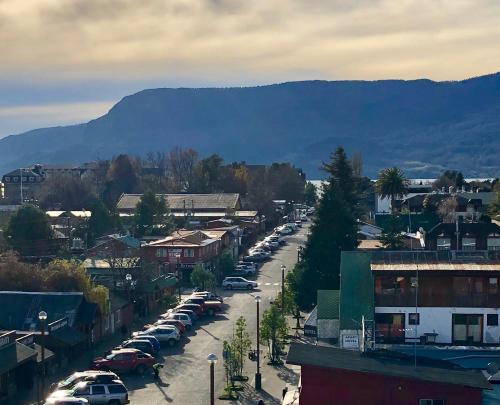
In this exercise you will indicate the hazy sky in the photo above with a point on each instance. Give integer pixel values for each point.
(67, 61)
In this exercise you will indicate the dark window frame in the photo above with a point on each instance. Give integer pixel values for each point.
(491, 319)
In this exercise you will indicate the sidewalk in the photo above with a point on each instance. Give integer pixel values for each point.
(274, 378)
(80, 363)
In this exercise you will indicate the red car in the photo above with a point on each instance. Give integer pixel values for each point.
(125, 360)
(178, 324)
(197, 309)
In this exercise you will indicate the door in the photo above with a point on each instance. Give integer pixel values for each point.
(467, 328)
(390, 328)
(98, 395)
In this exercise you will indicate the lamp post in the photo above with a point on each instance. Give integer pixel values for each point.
(283, 268)
(128, 279)
(178, 258)
(258, 379)
(299, 249)
(212, 359)
(42, 317)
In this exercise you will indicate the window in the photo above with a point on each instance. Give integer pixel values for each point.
(116, 389)
(432, 402)
(161, 252)
(443, 243)
(188, 252)
(493, 285)
(15, 179)
(493, 242)
(98, 390)
(414, 318)
(468, 243)
(7, 179)
(492, 320)
(82, 391)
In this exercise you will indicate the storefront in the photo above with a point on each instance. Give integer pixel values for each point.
(17, 365)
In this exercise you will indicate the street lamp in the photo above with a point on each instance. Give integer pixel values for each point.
(299, 249)
(283, 268)
(212, 359)
(258, 379)
(128, 279)
(178, 258)
(42, 316)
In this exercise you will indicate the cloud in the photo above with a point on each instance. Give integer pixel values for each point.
(369, 39)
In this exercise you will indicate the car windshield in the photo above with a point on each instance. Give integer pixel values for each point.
(70, 379)
(110, 357)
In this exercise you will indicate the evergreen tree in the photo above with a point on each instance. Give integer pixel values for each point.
(393, 238)
(334, 229)
(102, 221)
(310, 195)
(152, 216)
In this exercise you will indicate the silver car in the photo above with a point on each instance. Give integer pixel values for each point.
(66, 401)
(238, 282)
(113, 393)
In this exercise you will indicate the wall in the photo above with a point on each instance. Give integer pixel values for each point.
(439, 320)
(331, 386)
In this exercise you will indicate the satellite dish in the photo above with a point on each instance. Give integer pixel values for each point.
(492, 368)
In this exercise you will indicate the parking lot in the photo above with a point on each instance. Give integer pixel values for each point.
(185, 376)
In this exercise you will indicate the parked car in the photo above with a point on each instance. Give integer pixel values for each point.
(153, 340)
(259, 250)
(284, 230)
(65, 400)
(208, 295)
(303, 218)
(114, 393)
(256, 257)
(188, 312)
(210, 307)
(278, 238)
(292, 225)
(238, 282)
(125, 360)
(88, 375)
(196, 308)
(298, 223)
(245, 270)
(184, 318)
(250, 264)
(174, 322)
(166, 334)
(143, 345)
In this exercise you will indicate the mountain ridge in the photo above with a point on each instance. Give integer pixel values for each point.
(422, 125)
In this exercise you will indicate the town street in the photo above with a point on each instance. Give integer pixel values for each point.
(185, 376)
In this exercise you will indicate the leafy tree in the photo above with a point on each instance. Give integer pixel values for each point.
(494, 208)
(66, 192)
(274, 330)
(392, 183)
(207, 172)
(102, 221)
(28, 228)
(393, 238)
(450, 178)
(241, 343)
(122, 177)
(447, 209)
(310, 194)
(152, 216)
(285, 182)
(202, 278)
(226, 264)
(230, 357)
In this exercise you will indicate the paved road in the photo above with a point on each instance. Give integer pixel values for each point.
(185, 377)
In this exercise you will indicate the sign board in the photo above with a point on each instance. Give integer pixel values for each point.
(6, 339)
(350, 341)
(27, 340)
(61, 323)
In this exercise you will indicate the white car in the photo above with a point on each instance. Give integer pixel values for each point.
(66, 401)
(259, 250)
(184, 318)
(292, 225)
(248, 264)
(247, 270)
(303, 218)
(168, 334)
(238, 282)
(284, 230)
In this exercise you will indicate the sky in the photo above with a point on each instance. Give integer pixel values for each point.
(69, 61)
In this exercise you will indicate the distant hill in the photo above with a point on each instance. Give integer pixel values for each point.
(420, 125)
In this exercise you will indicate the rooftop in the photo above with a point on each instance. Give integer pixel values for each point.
(335, 358)
(181, 202)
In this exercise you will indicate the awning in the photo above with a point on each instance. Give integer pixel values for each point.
(68, 336)
(15, 355)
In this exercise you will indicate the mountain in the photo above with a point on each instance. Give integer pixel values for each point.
(420, 125)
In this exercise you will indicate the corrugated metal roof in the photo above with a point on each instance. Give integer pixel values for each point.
(328, 304)
(178, 202)
(435, 267)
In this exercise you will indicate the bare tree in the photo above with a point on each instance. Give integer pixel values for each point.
(181, 166)
(447, 209)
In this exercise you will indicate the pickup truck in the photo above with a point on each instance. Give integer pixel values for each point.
(208, 295)
(210, 307)
(125, 360)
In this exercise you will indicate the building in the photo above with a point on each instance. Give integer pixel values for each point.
(182, 250)
(331, 375)
(210, 206)
(463, 236)
(24, 183)
(17, 365)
